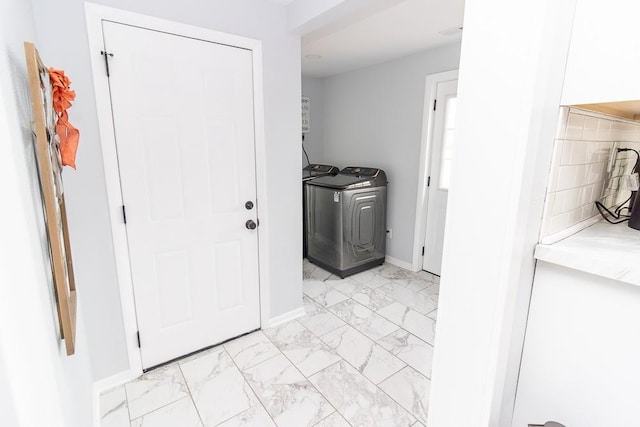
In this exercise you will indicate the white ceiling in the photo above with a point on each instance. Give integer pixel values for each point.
(386, 30)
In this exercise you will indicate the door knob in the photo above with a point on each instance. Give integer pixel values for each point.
(249, 205)
(251, 225)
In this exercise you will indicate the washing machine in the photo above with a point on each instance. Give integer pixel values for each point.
(346, 220)
(312, 171)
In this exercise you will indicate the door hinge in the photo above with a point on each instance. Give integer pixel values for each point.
(124, 214)
(138, 336)
(428, 185)
(423, 251)
(434, 102)
(106, 56)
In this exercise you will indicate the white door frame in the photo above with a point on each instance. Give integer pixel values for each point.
(95, 14)
(420, 228)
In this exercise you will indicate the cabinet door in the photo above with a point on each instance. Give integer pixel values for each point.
(582, 347)
(603, 63)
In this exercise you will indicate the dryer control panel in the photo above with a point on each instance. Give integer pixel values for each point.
(359, 171)
(320, 170)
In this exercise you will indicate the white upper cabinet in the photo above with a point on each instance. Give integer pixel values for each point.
(604, 57)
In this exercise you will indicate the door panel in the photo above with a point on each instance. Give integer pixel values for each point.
(183, 117)
(162, 176)
(228, 274)
(442, 151)
(174, 292)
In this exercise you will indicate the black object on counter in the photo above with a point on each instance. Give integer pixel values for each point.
(634, 219)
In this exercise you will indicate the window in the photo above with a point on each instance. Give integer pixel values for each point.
(448, 141)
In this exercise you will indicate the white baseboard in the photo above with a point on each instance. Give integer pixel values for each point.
(285, 317)
(107, 384)
(399, 263)
(114, 381)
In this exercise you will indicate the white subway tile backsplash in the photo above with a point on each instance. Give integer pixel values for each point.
(551, 199)
(574, 216)
(555, 201)
(571, 199)
(617, 126)
(582, 175)
(567, 148)
(585, 195)
(578, 176)
(604, 130)
(627, 132)
(601, 170)
(598, 191)
(575, 126)
(592, 153)
(590, 129)
(587, 212)
(557, 223)
(604, 148)
(567, 177)
(593, 172)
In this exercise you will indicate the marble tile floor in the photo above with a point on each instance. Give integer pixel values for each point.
(361, 356)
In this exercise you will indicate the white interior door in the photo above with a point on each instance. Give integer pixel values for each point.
(442, 151)
(183, 117)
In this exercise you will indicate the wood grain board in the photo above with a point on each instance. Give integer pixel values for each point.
(49, 169)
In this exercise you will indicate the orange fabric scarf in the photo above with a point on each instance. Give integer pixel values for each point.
(68, 134)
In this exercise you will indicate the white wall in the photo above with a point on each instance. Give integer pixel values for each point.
(64, 45)
(8, 414)
(510, 82)
(314, 140)
(39, 384)
(373, 117)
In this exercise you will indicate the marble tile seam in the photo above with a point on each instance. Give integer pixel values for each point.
(303, 375)
(250, 386)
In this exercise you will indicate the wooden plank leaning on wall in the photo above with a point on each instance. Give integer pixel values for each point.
(49, 169)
